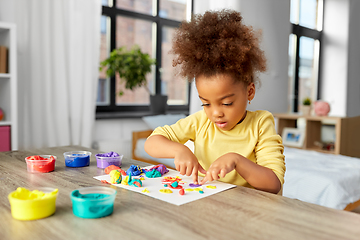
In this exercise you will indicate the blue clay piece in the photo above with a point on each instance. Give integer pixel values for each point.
(134, 170)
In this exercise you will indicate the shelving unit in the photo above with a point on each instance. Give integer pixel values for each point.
(8, 83)
(347, 131)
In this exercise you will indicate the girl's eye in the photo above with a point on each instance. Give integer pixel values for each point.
(227, 104)
(205, 105)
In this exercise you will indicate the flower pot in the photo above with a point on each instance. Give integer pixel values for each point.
(306, 109)
(158, 104)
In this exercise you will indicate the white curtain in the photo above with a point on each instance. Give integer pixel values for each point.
(58, 60)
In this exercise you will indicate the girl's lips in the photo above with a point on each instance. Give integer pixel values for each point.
(221, 124)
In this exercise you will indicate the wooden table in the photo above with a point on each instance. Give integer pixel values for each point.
(238, 213)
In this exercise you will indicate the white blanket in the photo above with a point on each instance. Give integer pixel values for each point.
(324, 179)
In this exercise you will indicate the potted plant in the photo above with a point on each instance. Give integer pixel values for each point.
(133, 66)
(306, 106)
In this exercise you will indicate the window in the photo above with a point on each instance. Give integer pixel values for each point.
(306, 17)
(149, 24)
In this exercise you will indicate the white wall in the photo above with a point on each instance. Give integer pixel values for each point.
(340, 70)
(353, 86)
(334, 56)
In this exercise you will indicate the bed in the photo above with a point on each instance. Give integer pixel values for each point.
(324, 179)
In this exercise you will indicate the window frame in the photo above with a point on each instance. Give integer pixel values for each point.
(137, 110)
(301, 31)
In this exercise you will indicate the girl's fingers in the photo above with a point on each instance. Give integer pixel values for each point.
(222, 173)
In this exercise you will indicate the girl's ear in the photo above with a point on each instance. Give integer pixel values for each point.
(251, 91)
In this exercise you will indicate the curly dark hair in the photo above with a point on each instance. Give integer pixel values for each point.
(217, 42)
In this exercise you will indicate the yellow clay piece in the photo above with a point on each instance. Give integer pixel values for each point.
(165, 191)
(115, 177)
(145, 190)
(125, 181)
(211, 187)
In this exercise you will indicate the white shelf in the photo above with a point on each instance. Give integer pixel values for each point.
(5, 123)
(8, 83)
(5, 75)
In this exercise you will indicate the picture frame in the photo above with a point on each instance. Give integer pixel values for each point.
(293, 137)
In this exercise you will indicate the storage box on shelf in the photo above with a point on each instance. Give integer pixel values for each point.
(347, 132)
(8, 83)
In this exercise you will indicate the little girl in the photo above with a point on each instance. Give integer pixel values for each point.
(231, 144)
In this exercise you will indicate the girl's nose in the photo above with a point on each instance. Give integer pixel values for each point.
(217, 112)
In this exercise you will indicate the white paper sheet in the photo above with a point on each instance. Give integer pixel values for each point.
(153, 185)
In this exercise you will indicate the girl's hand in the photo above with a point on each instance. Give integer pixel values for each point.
(222, 166)
(187, 164)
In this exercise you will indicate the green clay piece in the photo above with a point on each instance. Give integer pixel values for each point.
(175, 184)
(153, 174)
(201, 192)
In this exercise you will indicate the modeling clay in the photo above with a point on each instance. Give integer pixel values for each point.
(178, 187)
(110, 168)
(153, 173)
(125, 181)
(109, 154)
(182, 192)
(77, 160)
(136, 183)
(104, 181)
(194, 185)
(171, 179)
(201, 191)
(25, 194)
(198, 189)
(115, 177)
(160, 168)
(113, 167)
(211, 187)
(40, 164)
(165, 191)
(103, 160)
(145, 190)
(77, 194)
(134, 170)
(174, 184)
(189, 189)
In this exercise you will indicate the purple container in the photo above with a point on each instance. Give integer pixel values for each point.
(104, 162)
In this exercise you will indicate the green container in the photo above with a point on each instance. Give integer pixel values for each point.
(93, 202)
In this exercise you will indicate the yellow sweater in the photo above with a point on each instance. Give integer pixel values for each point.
(254, 138)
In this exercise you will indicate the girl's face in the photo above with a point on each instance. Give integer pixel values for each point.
(224, 100)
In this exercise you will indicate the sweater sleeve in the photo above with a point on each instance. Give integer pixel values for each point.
(269, 149)
(181, 131)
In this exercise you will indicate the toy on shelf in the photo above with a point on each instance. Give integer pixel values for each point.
(321, 108)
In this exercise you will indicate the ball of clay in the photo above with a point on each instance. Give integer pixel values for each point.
(321, 108)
